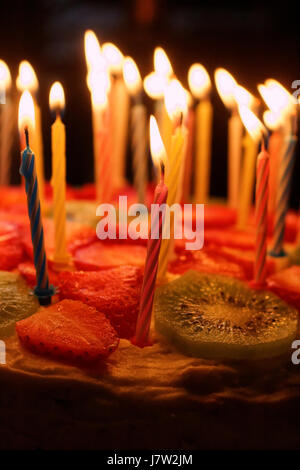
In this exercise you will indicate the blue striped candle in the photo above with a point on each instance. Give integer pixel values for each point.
(42, 290)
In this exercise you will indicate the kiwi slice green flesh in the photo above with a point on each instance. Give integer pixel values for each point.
(16, 302)
(213, 316)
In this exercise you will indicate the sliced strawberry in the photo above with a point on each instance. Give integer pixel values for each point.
(244, 258)
(103, 255)
(27, 270)
(233, 237)
(114, 292)
(286, 284)
(7, 228)
(11, 251)
(69, 330)
(207, 260)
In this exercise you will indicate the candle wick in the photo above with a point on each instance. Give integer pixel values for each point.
(180, 119)
(162, 168)
(26, 136)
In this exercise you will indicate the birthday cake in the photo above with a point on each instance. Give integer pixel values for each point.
(73, 379)
(114, 336)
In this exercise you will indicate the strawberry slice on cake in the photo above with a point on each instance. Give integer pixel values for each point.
(69, 330)
(105, 255)
(114, 292)
(286, 284)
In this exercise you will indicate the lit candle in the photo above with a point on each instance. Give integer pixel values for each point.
(26, 123)
(155, 85)
(280, 100)
(200, 86)
(120, 103)
(250, 144)
(226, 86)
(273, 123)
(257, 131)
(27, 80)
(61, 257)
(154, 241)
(99, 85)
(176, 105)
(189, 151)
(163, 68)
(6, 123)
(133, 82)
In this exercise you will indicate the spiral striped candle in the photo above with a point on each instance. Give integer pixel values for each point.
(138, 141)
(283, 193)
(151, 265)
(173, 181)
(42, 290)
(261, 216)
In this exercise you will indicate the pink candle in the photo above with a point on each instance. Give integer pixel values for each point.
(154, 241)
(261, 216)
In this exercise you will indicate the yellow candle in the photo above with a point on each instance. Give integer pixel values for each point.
(176, 105)
(227, 86)
(37, 146)
(173, 180)
(200, 86)
(247, 180)
(6, 123)
(166, 128)
(61, 257)
(98, 82)
(27, 80)
(120, 104)
(235, 135)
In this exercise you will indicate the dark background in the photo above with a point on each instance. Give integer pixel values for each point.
(255, 42)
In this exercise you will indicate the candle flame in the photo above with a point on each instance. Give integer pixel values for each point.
(272, 120)
(199, 81)
(132, 76)
(155, 85)
(277, 97)
(162, 64)
(253, 125)
(57, 97)
(27, 79)
(99, 90)
(175, 99)
(5, 77)
(226, 85)
(26, 112)
(96, 78)
(93, 55)
(158, 151)
(243, 97)
(114, 57)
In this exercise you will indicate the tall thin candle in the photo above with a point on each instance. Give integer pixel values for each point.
(6, 123)
(257, 131)
(26, 119)
(200, 86)
(61, 257)
(154, 242)
(133, 82)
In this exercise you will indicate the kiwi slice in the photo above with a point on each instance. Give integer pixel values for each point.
(214, 316)
(16, 302)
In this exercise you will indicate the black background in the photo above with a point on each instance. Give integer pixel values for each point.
(254, 41)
